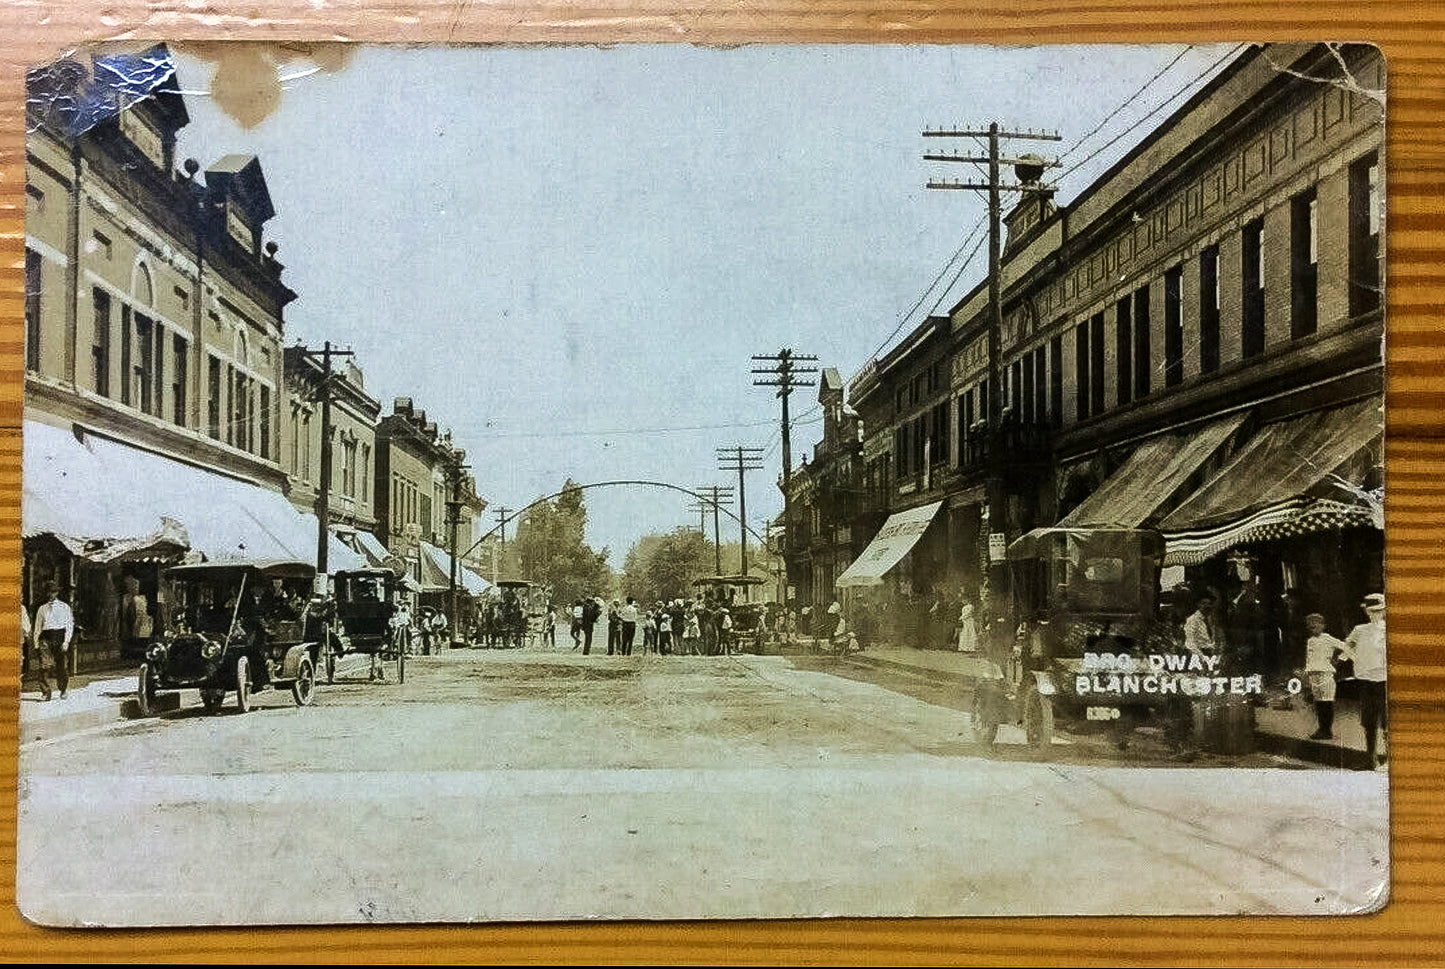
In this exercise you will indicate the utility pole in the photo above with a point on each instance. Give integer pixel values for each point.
(715, 495)
(323, 491)
(738, 458)
(785, 373)
(502, 514)
(454, 472)
(1027, 168)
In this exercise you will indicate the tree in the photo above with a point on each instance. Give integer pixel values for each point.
(662, 567)
(551, 549)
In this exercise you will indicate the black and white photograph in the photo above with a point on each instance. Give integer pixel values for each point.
(532, 483)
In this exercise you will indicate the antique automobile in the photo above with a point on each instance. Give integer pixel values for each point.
(731, 592)
(359, 620)
(242, 627)
(1082, 644)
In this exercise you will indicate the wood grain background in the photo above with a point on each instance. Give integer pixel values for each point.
(1409, 932)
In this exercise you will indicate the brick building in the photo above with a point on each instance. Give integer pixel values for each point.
(1193, 346)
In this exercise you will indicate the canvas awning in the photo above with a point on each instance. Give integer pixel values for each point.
(438, 571)
(89, 488)
(894, 540)
(1294, 477)
(1153, 474)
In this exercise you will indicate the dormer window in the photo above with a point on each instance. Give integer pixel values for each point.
(238, 228)
(140, 133)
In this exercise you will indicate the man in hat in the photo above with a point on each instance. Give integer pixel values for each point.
(52, 631)
(1365, 646)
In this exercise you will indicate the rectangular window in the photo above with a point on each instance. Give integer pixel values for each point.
(1173, 327)
(100, 243)
(940, 434)
(1096, 363)
(1143, 361)
(100, 348)
(127, 345)
(1123, 351)
(1304, 265)
(1016, 389)
(920, 435)
(1252, 280)
(1364, 231)
(160, 370)
(179, 380)
(365, 473)
(1041, 371)
(1026, 411)
(33, 264)
(900, 451)
(1056, 380)
(1081, 370)
(265, 443)
(1209, 310)
(213, 397)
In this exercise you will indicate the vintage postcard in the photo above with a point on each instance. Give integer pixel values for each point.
(667, 482)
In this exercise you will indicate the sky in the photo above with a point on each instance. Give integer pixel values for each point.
(568, 255)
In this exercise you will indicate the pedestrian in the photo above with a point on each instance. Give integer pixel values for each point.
(1199, 629)
(627, 617)
(614, 628)
(725, 632)
(52, 630)
(1365, 647)
(1179, 709)
(664, 632)
(400, 624)
(24, 644)
(549, 633)
(135, 620)
(591, 612)
(967, 629)
(692, 633)
(1319, 669)
(577, 609)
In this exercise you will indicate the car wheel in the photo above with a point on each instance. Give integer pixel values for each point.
(304, 687)
(145, 692)
(1039, 722)
(982, 718)
(243, 685)
(211, 699)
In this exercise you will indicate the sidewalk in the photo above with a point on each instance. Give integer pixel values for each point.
(1279, 731)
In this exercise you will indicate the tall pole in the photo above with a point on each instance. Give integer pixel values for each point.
(502, 514)
(739, 458)
(455, 467)
(716, 495)
(784, 375)
(323, 491)
(993, 405)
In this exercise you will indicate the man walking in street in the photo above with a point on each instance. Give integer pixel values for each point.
(591, 610)
(53, 629)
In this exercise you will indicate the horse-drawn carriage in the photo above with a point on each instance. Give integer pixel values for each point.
(361, 612)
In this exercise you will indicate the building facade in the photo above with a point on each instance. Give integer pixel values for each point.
(354, 412)
(153, 333)
(1192, 346)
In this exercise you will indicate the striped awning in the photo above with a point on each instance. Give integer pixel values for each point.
(1292, 478)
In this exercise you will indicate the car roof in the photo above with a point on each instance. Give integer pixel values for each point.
(271, 568)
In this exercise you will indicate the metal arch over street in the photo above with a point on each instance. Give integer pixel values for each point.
(625, 482)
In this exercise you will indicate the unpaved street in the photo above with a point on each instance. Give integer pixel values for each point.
(524, 786)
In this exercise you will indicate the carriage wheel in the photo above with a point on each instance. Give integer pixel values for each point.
(304, 686)
(243, 684)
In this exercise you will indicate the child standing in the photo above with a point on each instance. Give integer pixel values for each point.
(1320, 650)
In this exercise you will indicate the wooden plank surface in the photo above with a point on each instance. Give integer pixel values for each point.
(1409, 932)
